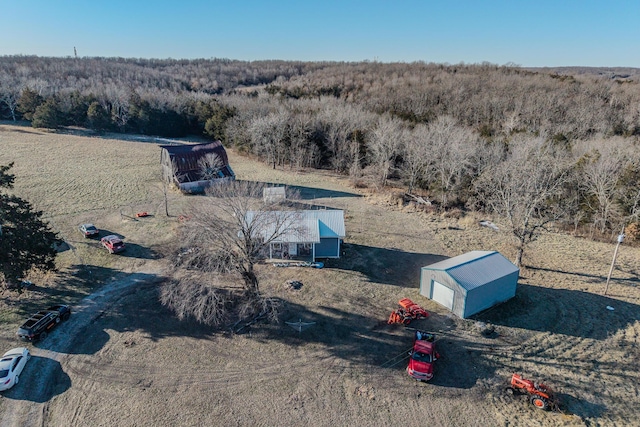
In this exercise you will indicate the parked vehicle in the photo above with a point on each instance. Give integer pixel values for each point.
(540, 395)
(113, 243)
(422, 357)
(89, 230)
(407, 312)
(40, 324)
(11, 366)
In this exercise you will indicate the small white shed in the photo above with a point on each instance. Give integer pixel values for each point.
(274, 194)
(470, 283)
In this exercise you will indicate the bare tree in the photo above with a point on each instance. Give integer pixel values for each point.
(201, 298)
(602, 168)
(527, 188)
(10, 92)
(451, 151)
(415, 156)
(210, 165)
(268, 136)
(231, 229)
(384, 146)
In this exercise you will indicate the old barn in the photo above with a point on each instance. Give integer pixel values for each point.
(194, 167)
(470, 283)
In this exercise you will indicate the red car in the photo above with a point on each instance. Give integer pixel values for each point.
(113, 243)
(422, 356)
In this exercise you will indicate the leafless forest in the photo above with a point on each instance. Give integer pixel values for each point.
(534, 146)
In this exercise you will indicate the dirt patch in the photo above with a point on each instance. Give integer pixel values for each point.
(131, 363)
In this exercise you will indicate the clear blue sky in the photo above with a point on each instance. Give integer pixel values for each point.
(528, 33)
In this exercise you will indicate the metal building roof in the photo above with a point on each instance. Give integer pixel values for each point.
(305, 231)
(305, 227)
(331, 221)
(476, 268)
(185, 157)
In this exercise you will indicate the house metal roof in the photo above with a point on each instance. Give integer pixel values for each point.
(331, 221)
(307, 226)
(476, 268)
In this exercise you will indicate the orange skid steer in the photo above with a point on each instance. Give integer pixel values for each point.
(407, 312)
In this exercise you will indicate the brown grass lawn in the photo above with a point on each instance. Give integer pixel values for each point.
(132, 363)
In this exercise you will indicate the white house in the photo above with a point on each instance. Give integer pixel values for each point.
(308, 234)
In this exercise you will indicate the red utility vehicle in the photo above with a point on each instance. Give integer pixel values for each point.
(113, 243)
(422, 357)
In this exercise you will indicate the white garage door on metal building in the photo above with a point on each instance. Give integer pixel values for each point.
(442, 295)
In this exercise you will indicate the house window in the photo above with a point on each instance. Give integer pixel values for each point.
(277, 246)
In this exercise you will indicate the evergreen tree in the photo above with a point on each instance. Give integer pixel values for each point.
(97, 117)
(216, 124)
(48, 115)
(28, 102)
(26, 241)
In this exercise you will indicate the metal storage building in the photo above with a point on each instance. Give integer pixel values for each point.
(470, 283)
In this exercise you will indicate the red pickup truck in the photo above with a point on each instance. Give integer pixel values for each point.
(422, 357)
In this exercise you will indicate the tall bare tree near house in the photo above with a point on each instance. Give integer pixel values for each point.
(527, 188)
(229, 232)
(198, 296)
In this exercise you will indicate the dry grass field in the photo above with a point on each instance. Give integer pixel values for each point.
(124, 360)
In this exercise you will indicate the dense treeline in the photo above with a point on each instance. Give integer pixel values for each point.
(441, 129)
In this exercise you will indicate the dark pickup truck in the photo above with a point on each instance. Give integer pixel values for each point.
(38, 326)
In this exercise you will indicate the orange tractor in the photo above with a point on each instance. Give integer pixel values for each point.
(407, 312)
(541, 396)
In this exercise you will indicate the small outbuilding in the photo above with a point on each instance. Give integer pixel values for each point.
(470, 283)
(194, 167)
(272, 195)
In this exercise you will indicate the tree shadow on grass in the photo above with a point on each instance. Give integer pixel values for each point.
(133, 250)
(69, 287)
(381, 265)
(311, 193)
(137, 309)
(29, 388)
(366, 341)
(591, 278)
(361, 339)
(563, 311)
(85, 288)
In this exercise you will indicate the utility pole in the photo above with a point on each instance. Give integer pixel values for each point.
(613, 261)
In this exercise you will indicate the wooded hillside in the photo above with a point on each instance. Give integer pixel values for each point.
(452, 132)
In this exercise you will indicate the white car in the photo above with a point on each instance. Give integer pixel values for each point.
(11, 365)
(89, 230)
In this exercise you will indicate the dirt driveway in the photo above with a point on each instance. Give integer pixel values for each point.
(45, 378)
